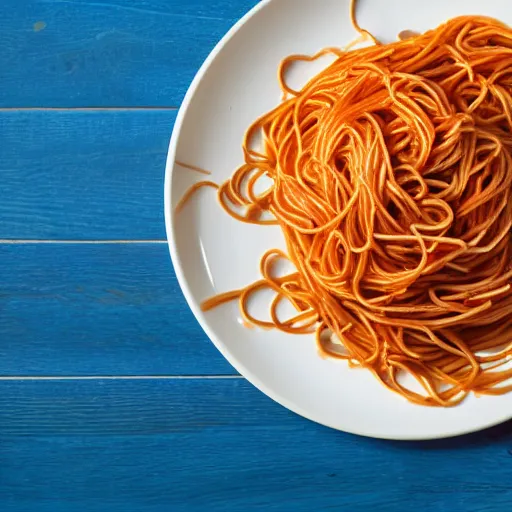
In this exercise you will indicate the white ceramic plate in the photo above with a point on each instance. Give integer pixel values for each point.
(213, 253)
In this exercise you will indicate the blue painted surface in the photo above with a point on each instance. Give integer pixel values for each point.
(183, 445)
(70, 53)
(82, 325)
(74, 175)
(98, 309)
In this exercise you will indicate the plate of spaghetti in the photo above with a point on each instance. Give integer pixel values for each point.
(338, 205)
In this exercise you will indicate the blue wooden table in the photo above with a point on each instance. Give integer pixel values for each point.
(111, 397)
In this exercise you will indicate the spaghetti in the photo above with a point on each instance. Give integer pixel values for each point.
(391, 180)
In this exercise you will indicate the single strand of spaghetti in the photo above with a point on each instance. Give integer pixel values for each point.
(355, 24)
(292, 59)
(192, 167)
(219, 299)
(191, 191)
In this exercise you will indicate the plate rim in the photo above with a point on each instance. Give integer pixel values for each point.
(192, 303)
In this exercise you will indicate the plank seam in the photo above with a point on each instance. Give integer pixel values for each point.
(119, 377)
(82, 242)
(85, 109)
(118, 7)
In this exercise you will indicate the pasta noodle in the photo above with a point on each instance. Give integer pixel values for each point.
(390, 177)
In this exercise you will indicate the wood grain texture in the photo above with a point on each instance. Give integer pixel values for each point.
(83, 175)
(98, 310)
(151, 444)
(65, 53)
(198, 445)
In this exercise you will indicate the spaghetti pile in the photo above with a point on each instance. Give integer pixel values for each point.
(391, 179)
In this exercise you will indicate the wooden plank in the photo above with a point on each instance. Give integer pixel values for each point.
(220, 445)
(98, 310)
(63, 53)
(83, 175)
